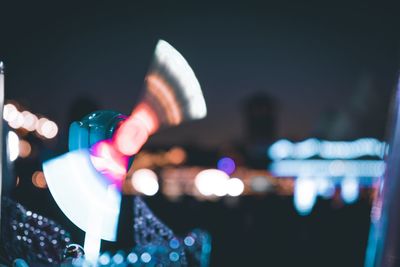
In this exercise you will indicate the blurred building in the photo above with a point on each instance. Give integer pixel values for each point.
(260, 118)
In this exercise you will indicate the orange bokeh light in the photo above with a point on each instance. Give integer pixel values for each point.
(39, 180)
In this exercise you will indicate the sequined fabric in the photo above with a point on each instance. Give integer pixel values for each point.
(41, 242)
(30, 236)
(157, 245)
(151, 233)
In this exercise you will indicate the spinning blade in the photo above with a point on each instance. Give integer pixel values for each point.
(83, 194)
(172, 89)
(172, 95)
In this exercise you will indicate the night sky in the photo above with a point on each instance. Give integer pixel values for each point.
(310, 59)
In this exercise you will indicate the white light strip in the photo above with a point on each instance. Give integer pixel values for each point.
(284, 149)
(328, 168)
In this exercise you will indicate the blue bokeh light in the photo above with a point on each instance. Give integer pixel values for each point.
(189, 241)
(174, 243)
(145, 257)
(173, 256)
(132, 257)
(226, 165)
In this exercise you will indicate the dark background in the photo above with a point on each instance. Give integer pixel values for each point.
(310, 59)
(329, 70)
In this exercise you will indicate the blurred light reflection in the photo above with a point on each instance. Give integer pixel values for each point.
(349, 189)
(325, 187)
(235, 187)
(145, 181)
(39, 180)
(13, 145)
(227, 165)
(284, 149)
(211, 182)
(358, 168)
(305, 195)
(29, 121)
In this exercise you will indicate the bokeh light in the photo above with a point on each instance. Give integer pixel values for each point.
(226, 165)
(24, 148)
(49, 129)
(211, 182)
(118, 258)
(305, 195)
(280, 149)
(145, 257)
(173, 256)
(30, 120)
(13, 145)
(349, 189)
(325, 187)
(17, 122)
(260, 184)
(235, 187)
(39, 125)
(132, 257)
(104, 259)
(39, 180)
(10, 112)
(189, 241)
(176, 155)
(145, 181)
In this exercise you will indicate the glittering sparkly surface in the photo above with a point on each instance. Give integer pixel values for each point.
(40, 241)
(157, 245)
(30, 236)
(154, 237)
(151, 234)
(193, 250)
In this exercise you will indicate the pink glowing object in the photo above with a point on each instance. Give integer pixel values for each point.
(109, 161)
(134, 132)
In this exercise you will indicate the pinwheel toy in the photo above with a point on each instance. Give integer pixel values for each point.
(86, 182)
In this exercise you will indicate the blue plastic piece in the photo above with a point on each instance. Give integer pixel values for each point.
(96, 126)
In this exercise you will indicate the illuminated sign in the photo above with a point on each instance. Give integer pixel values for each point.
(284, 149)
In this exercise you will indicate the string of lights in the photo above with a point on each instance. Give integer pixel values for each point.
(30, 122)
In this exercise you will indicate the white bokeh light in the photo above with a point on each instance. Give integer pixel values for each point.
(10, 112)
(30, 121)
(350, 189)
(325, 187)
(17, 122)
(49, 129)
(145, 181)
(235, 187)
(305, 195)
(13, 145)
(212, 182)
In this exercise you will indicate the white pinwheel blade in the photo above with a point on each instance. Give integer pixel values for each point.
(84, 195)
(171, 88)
